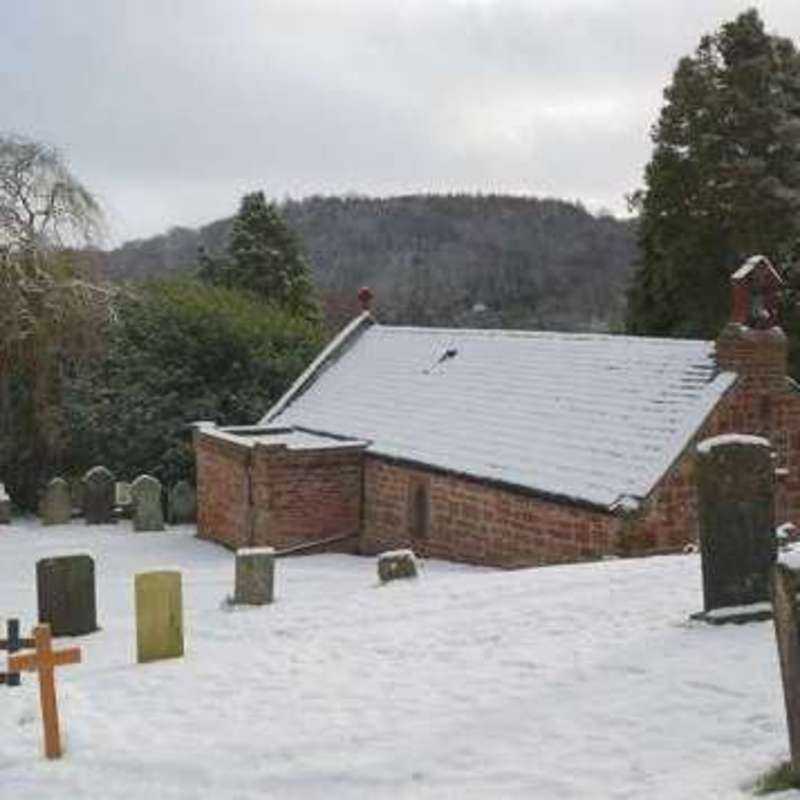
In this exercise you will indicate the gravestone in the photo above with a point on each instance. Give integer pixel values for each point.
(5, 506)
(147, 512)
(159, 616)
(55, 507)
(98, 496)
(783, 588)
(76, 494)
(735, 488)
(395, 564)
(255, 576)
(182, 503)
(65, 589)
(123, 499)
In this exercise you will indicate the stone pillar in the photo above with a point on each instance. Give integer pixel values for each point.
(735, 485)
(65, 589)
(255, 576)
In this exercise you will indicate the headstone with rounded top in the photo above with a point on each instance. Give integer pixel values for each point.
(65, 589)
(98, 496)
(735, 489)
(159, 616)
(55, 507)
(147, 512)
(255, 576)
(181, 503)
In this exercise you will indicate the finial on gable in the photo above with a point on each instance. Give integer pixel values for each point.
(365, 297)
(755, 294)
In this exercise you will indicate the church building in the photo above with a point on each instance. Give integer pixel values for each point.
(500, 447)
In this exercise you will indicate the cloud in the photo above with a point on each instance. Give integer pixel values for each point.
(171, 110)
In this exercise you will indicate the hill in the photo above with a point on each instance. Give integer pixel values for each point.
(438, 259)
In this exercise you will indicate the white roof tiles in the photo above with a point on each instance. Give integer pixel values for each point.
(588, 417)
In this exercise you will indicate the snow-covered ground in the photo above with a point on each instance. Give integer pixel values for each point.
(582, 681)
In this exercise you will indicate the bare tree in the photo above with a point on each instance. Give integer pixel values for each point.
(50, 312)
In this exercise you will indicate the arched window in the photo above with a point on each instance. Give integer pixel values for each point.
(419, 513)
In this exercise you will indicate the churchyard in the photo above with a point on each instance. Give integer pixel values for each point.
(569, 681)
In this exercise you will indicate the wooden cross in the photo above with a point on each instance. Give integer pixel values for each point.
(44, 661)
(12, 643)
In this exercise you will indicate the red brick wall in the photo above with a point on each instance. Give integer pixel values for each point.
(222, 490)
(269, 495)
(304, 495)
(477, 522)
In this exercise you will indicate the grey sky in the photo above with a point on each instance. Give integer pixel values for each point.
(171, 110)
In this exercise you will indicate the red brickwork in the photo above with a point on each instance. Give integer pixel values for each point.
(473, 521)
(251, 494)
(223, 506)
(305, 495)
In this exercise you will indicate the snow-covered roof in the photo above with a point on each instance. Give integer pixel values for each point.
(590, 417)
(751, 264)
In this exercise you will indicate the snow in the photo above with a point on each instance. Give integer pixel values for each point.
(707, 445)
(588, 417)
(579, 681)
(255, 551)
(751, 264)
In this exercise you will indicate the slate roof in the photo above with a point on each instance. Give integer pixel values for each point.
(591, 418)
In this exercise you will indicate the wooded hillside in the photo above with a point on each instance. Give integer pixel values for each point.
(438, 259)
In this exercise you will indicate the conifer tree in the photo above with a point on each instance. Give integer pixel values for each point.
(264, 257)
(724, 179)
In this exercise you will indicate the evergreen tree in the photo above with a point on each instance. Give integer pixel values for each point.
(264, 257)
(724, 179)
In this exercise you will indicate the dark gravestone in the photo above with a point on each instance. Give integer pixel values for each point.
(147, 513)
(98, 496)
(66, 593)
(11, 644)
(735, 487)
(181, 504)
(784, 612)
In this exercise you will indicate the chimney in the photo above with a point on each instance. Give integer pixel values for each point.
(752, 344)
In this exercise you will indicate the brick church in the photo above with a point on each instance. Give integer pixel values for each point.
(508, 448)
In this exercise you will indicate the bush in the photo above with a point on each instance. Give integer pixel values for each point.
(181, 351)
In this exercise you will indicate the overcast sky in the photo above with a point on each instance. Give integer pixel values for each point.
(170, 111)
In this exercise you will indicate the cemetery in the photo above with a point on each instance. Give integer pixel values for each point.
(157, 659)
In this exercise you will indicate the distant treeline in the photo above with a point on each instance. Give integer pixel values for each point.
(466, 260)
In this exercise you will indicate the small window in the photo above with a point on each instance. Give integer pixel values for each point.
(419, 513)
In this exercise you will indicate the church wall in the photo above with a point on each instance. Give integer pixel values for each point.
(476, 522)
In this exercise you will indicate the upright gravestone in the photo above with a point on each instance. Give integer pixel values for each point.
(147, 513)
(123, 499)
(181, 504)
(98, 496)
(784, 612)
(56, 504)
(159, 616)
(255, 576)
(5, 506)
(65, 590)
(735, 487)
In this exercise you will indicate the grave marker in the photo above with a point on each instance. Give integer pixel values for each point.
(5, 506)
(255, 576)
(98, 496)
(735, 487)
(44, 661)
(56, 504)
(395, 564)
(65, 589)
(159, 616)
(12, 643)
(147, 513)
(182, 504)
(783, 586)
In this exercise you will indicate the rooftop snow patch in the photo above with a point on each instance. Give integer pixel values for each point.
(586, 417)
